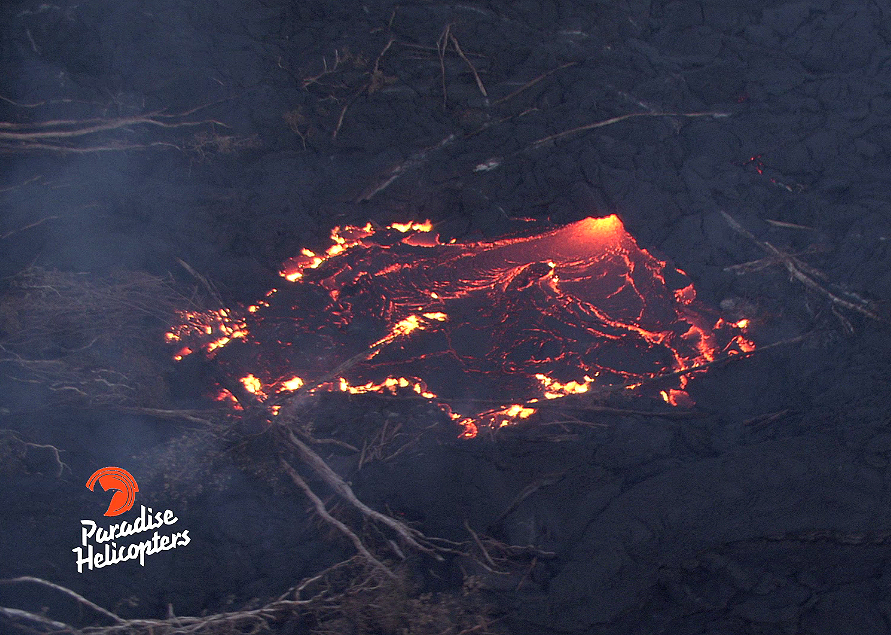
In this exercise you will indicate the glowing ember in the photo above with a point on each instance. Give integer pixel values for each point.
(507, 323)
(292, 384)
(252, 384)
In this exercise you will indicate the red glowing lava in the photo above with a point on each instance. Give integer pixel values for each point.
(504, 323)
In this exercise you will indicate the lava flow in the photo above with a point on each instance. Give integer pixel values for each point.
(487, 330)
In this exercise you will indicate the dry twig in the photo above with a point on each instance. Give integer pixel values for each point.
(442, 46)
(532, 83)
(613, 120)
(476, 76)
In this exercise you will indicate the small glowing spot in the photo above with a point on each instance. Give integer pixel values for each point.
(470, 429)
(252, 384)
(426, 226)
(217, 344)
(225, 395)
(522, 412)
(679, 398)
(293, 384)
(405, 326)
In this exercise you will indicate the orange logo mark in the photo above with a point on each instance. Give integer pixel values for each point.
(119, 479)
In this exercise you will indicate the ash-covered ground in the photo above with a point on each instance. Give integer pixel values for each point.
(228, 135)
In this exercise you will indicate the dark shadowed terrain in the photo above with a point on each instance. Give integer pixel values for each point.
(160, 156)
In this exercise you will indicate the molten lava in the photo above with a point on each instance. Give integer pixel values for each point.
(505, 323)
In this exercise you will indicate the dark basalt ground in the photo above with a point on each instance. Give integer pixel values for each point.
(768, 512)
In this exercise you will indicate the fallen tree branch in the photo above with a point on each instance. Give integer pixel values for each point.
(161, 413)
(322, 511)
(318, 465)
(495, 162)
(65, 591)
(804, 273)
(613, 120)
(68, 128)
(57, 134)
(18, 615)
(476, 76)
(493, 568)
(532, 83)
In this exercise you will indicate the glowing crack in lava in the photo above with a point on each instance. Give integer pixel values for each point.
(485, 329)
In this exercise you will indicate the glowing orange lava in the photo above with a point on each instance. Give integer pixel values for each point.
(507, 323)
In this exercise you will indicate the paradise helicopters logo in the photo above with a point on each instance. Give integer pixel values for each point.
(106, 550)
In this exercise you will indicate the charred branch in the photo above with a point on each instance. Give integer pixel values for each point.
(804, 273)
